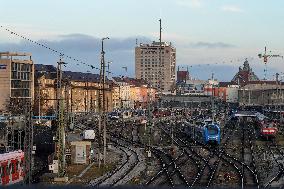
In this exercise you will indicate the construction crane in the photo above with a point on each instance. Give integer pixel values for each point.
(265, 57)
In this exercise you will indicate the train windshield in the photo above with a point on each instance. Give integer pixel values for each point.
(270, 125)
(212, 130)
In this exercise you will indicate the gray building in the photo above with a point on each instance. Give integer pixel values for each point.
(262, 93)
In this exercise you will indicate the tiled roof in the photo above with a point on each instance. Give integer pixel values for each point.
(224, 84)
(79, 76)
(264, 82)
(244, 75)
(45, 68)
(118, 79)
(50, 72)
(131, 81)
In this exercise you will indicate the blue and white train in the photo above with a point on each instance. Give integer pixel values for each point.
(207, 131)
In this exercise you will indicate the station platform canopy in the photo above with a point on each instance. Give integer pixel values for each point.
(249, 114)
(245, 114)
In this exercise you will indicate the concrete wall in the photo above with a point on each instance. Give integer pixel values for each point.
(232, 95)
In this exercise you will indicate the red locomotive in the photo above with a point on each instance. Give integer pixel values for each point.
(12, 167)
(268, 128)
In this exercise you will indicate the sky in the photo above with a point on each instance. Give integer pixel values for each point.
(210, 36)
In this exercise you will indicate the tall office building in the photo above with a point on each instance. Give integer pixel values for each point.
(160, 75)
(16, 79)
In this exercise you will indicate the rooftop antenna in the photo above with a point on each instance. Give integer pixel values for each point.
(160, 59)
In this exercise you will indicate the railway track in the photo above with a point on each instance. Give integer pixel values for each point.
(207, 172)
(202, 167)
(248, 159)
(97, 182)
(275, 152)
(246, 167)
(121, 172)
(115, 176)
(170, 168)
(206, 163)
(216, 156)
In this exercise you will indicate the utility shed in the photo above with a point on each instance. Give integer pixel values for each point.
(80, 152)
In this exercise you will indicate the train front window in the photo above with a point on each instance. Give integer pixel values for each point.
(212, 131)
(270, 125)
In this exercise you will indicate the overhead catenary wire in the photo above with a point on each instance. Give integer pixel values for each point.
(54, 50)
(80, 62)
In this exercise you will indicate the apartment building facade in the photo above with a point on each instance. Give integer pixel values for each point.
(16, 80)
(80, 91)
(160, 74)
(124, 92)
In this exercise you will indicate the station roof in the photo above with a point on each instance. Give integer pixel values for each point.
(245, 114)
(14, 54)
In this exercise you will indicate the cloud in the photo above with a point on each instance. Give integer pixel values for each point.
(23, 28)
(211, 45)
(85, 48)
(231, 8)
(189, 3)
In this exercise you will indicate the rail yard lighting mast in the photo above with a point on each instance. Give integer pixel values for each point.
(60, 122)
(102, 101)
